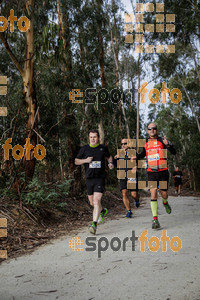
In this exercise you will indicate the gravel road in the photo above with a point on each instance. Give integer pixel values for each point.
(54, 271)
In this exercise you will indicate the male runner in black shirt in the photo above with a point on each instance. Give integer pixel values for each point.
(93, 157)
(178, 180)
(123, 182)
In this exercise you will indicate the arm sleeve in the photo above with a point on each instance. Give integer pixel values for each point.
(141, 154)
(115, 162)
(107, 153)
(81, 153)
(171, 148)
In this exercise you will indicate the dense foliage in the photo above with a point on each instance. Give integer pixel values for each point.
(79, 45)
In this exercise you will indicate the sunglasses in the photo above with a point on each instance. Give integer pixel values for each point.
(123, 143)
(154, 128)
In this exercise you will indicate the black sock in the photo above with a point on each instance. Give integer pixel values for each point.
(95, 223)
(103, 210)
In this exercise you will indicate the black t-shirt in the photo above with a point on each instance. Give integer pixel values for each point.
(126, 169)
(177, 175)
(96, 169)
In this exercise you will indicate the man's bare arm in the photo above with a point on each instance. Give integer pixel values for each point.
(79, 161)
(109, 159)
(110, 162)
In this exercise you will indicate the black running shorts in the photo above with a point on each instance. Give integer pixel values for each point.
(178, 182)
(123, 185)
(159, 176)
(95, 185)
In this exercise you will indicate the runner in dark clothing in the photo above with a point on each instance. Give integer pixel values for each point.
(93, 157)
(157, 169)
(178, 180)
(124, 182)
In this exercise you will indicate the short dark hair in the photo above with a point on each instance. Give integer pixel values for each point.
(94, 131)
(152, 123)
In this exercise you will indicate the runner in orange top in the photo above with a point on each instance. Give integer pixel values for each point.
(157, 169)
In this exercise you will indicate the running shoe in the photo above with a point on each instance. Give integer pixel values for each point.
(102, 215)
(155, 224)
(129, 214)
(92, 228)
(168, 208)
(137, 203)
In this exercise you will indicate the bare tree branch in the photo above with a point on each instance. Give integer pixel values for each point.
(190, 101)
(12, 56)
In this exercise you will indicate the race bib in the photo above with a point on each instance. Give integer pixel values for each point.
(154, 157)
(132, 179)
(95, 165)
(178, 176)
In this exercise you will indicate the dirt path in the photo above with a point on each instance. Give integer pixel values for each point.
(56, 272)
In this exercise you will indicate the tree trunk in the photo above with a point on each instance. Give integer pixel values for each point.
(119, 110)
(190, 178)
(126, 122)
(62, 40)
(138, 106)
(64, 31)
(191, 105)
(66, 67)
(120, 117)
(101, 132)
(115, 50)
(27, 74)
(101, 63)
(101, 49)
(194, 181)
(29, 90)
(60, 159)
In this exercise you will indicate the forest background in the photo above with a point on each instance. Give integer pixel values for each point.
(80, 44)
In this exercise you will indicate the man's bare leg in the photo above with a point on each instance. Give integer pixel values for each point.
(126, 203)
(153, 193)
(90, 197)
(126, 199)
(136, 197)
(164, 194)
(95, 201)
(97, 205)
(165, 201)
(179, 189)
